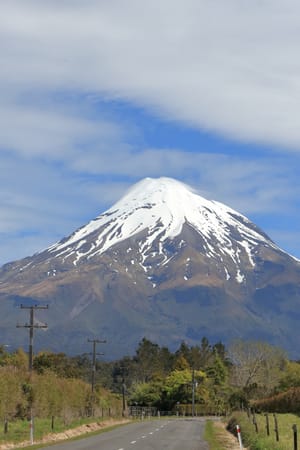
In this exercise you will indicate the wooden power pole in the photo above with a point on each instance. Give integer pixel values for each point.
(31, 326)
(94, 354)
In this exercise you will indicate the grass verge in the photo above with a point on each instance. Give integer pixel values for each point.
(259, 440)
(19, 431)
(212, 436)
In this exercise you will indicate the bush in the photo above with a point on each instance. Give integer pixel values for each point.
(285, 402)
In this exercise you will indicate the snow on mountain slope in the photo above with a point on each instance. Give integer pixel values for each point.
(164, 263)
(161, 207)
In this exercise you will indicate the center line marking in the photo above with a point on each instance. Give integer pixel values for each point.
(133, 442)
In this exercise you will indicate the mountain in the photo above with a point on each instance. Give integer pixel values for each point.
(163, 262)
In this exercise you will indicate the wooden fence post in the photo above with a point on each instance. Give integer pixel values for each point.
(267, 425)
(276, 427)
(295, 437)
(255, 422)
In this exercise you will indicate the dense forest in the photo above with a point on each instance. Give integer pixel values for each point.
(208, 378)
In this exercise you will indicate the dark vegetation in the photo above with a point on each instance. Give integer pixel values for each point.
(246, 375)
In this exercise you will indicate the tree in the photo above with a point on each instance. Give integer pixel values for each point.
(205, 352)
(59, 363)
(256, 365)
(166, 359)
(217, 386)
(184, 351)
(147, 360)
(221, 350)
(291, 376)
(181, 363)
(217, 371)
(146, 394)
(178, 385)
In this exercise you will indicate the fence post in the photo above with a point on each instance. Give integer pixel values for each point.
(276, 427)
(267, 425)
(238, 430)
(255, 422)
(295, 437)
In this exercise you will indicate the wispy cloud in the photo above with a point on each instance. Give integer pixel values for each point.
(230, 67)
(40, 202)
(71, 73)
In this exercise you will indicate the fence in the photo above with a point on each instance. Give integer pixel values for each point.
(272, 419)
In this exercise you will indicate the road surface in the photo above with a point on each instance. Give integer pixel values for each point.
(162, 434)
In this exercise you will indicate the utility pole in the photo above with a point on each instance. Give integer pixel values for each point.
(193, 393)
(31, 325)
(94, 354)
(123, 392)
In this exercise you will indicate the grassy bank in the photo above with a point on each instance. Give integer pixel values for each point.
(19, 431)
(218, 438)
(213, 437)
(255, 435)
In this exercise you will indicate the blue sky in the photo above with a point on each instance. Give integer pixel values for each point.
(96, 95)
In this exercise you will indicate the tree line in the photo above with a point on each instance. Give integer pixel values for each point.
(216, 378)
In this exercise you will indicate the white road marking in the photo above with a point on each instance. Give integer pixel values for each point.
(144, 436)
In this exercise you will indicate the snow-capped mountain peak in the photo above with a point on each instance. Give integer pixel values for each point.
(161, 207)
(162, 262)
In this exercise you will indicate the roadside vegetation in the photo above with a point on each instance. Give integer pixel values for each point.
(255, 435)
(201, 380)
(214, 437)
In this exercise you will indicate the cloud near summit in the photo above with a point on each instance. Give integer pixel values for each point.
(96, 95)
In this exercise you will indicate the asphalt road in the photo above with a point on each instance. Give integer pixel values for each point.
(162, 434)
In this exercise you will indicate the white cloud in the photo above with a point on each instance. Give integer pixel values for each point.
(230, 67)
(244, 183)
(34, 131)
(42, 201)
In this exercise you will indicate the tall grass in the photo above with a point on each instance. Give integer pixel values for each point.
(259, 440)
(19, 430)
